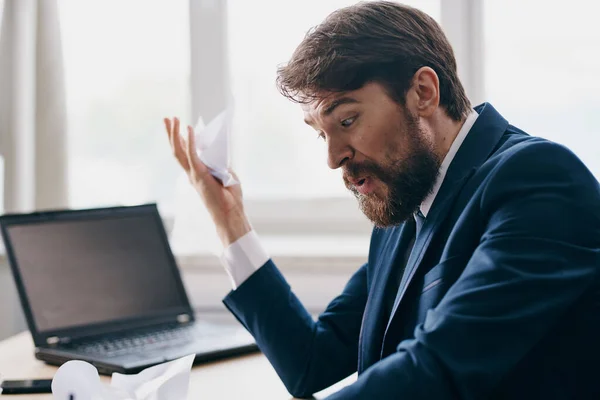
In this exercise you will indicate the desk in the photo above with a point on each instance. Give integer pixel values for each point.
(246, 378)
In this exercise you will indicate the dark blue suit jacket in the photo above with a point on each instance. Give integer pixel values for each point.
(500, 298)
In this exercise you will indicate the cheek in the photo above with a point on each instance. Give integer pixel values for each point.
(389, 150)
(374, 143)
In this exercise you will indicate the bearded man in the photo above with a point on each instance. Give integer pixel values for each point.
(483, 275)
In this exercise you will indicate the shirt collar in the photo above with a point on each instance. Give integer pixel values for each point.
(462, 134)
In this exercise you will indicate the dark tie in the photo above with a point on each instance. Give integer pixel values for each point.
(414, 226)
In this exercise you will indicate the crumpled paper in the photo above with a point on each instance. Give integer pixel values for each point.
(79, 380)
(212, 145)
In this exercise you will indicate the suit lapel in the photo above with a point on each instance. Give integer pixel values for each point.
(394, 245)
(432, 223)
(474, 151)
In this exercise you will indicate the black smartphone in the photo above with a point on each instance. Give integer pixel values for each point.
(26, 386)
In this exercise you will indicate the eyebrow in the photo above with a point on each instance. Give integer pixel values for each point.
(338, 102)
(334, 104)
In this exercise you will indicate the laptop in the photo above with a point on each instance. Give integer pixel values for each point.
(101, 285)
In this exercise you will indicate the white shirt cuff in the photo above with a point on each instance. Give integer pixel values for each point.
(243, 257)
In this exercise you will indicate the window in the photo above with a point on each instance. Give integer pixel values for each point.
(541, 70)
(127, 66)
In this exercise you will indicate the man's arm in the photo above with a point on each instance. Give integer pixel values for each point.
(538, 254)
(307, 355)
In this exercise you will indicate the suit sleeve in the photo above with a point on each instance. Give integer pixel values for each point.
(538, 254)
(307, 355)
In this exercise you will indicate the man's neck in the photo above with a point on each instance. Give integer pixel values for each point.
(455, 134)
(447, 129)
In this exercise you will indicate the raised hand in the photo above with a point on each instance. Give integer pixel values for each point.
(224, 204)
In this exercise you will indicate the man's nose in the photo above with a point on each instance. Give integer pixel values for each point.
(338, 153)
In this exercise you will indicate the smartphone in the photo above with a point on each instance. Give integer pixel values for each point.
(26, 386)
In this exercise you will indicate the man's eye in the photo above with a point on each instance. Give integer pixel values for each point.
(347, 122)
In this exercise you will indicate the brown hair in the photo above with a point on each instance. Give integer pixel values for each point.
(379, 41)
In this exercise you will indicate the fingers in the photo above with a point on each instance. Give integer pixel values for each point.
(167, 122)
(183, 145)
(197, 166)
(169, 128)
(169, 131)
(176, 143)
(185, 152)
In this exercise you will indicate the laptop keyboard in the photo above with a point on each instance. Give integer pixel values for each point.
(145, 342)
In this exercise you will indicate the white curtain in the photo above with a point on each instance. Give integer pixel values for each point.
(32, 106)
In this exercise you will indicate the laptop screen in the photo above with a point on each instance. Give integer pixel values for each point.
(92, 270)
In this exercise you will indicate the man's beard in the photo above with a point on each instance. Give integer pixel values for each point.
(408, 180)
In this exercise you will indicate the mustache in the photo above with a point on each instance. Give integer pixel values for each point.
(357, 170)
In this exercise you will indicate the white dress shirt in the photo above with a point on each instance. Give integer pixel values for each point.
(246, 255)
(458, 141)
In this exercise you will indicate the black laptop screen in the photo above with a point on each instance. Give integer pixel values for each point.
(79, 272)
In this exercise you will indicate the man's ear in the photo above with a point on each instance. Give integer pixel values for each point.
(425, 92)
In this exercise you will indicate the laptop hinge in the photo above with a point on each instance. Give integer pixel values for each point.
(55, 340)
(183, 318)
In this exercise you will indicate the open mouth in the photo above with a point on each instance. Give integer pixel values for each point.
(364, 185)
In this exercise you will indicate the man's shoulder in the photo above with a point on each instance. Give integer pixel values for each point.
(525, 166)
(531, 156)
(516, 144)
